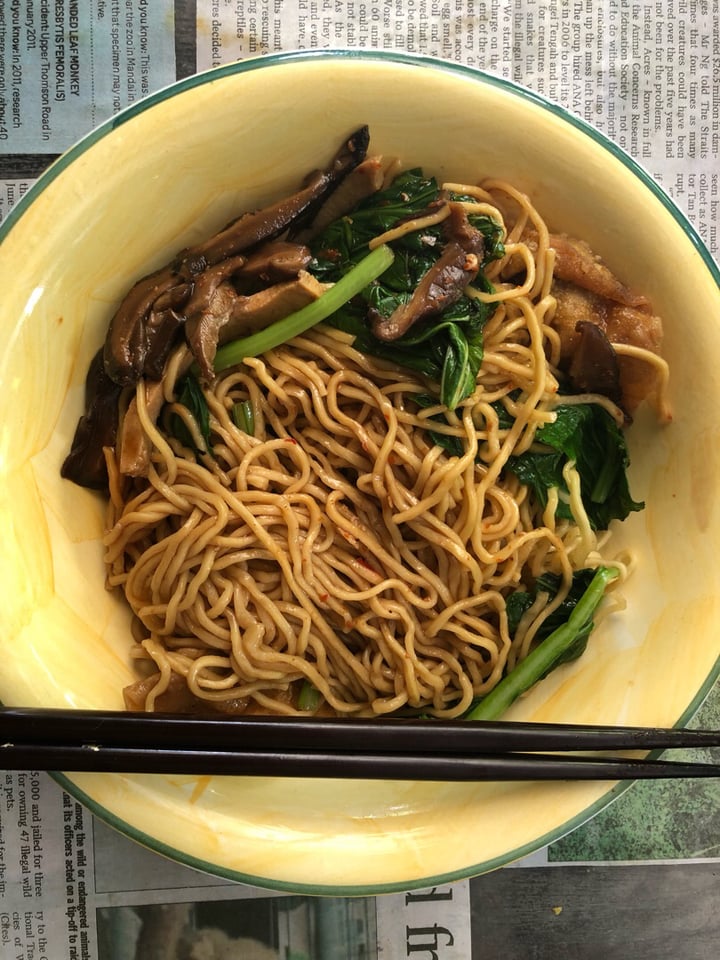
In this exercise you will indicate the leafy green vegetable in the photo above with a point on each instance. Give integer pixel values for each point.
(346, 240)
(462, 362)
(587, 435)
(447, 349)
(453, 445)
(409, 195)
(519, 602)
(190, 395)
(547, 654)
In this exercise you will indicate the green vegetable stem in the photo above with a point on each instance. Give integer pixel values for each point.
(540, 660)
(243, 417)
(348, 286)
(310, 697)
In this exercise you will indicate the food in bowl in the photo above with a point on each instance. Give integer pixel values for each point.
(363, 447)
(170, 172)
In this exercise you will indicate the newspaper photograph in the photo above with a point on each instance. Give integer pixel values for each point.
(647, 74)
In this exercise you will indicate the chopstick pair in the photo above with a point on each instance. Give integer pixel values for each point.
(387, 749)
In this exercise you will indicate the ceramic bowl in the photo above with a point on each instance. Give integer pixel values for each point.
(166, 173)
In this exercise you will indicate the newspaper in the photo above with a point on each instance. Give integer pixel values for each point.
(645, 72)
(71, 887)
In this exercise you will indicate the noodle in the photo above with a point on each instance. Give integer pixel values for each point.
(336, 545)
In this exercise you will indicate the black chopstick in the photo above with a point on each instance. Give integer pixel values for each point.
(397, 735)
(366, 766)
(115, 741)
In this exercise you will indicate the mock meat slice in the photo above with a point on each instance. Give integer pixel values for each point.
(637, 328)
(362, 182)
(258, 310)
(576, 263)
(228, 315)
(620, 324)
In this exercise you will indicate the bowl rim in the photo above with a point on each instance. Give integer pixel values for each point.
(260, 62)
(401, 58)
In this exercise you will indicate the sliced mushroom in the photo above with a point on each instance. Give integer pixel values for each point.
(163, 328)
(443, 284)
(96, 429)
(208, 309)
(253, 228)
(204, 328)
(127, 341)
(457, 227)
(594, 366)
(275, 261)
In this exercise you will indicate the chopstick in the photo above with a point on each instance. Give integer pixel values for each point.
(400, 749)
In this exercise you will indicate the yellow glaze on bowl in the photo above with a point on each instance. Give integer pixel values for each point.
(166, 174)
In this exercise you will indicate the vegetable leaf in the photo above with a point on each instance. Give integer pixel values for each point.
(587, 435)
(243, 417)
(455, 446)
(190, 395)
(345, 240)
(309, 697)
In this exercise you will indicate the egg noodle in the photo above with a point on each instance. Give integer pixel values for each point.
(336, 547)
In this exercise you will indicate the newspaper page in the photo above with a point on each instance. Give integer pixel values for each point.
(644, 72)
(67, 66)
(72, 888)
(647, 73)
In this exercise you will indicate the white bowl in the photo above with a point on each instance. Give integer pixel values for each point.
(169, 171)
